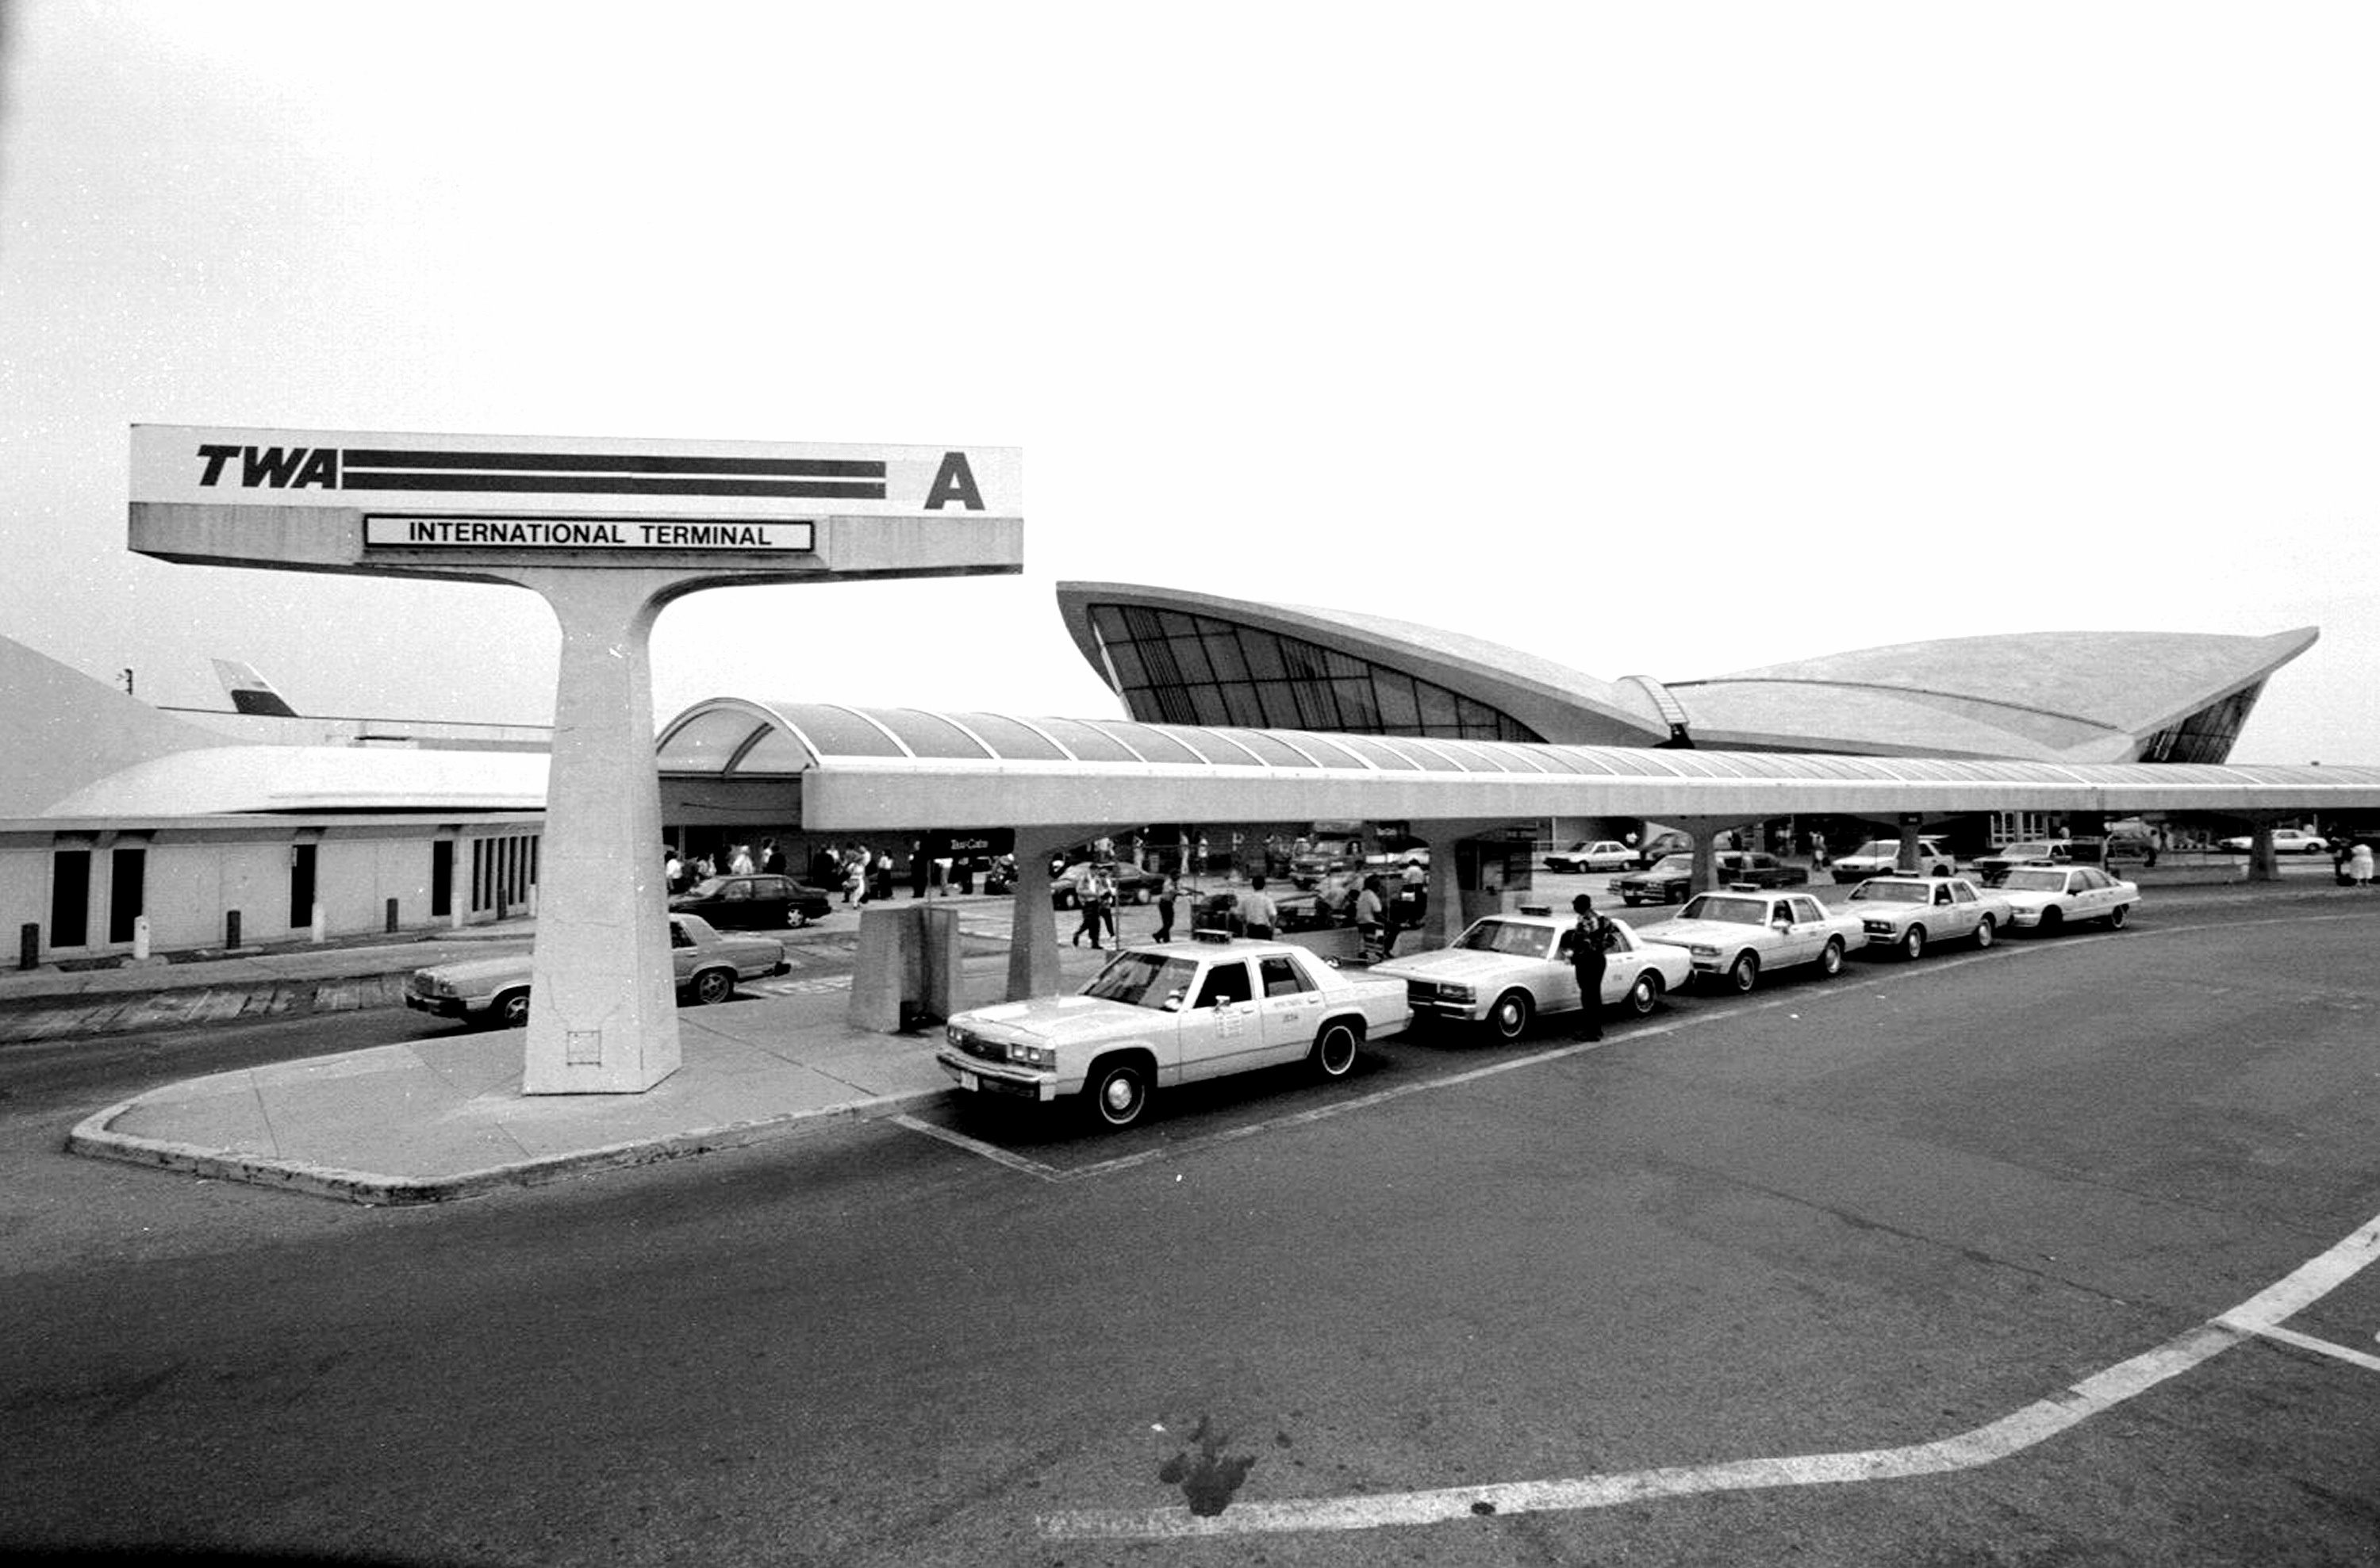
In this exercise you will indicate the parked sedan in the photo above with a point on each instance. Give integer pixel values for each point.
(1741, 932)
(2024, 851)
(495, 990)
(2047, 897)
(763, 903)
(2286, 841)
(1668, 883)
(1602, 854)
(1508, 969)
(1907, 914)
(1161, 1015)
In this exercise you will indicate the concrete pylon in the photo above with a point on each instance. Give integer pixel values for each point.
(603, 998)
(1033, 931)
(1704, 831)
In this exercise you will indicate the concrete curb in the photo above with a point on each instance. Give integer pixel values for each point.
(91, 1139)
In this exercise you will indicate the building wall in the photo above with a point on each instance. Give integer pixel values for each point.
(193, 876)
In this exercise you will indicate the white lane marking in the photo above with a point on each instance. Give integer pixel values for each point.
(1995, 1440)
(991, 1151)
(2308, 1342)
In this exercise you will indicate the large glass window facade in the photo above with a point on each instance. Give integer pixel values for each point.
(1181, 668)
(2207, 735)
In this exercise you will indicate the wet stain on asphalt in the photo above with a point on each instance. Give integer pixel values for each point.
(1208, 1478)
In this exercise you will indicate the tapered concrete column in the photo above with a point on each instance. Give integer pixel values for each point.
(1444, 920)
(1032, 928)
(603, 1001)
(1910, 826)
(1704, 831)
(2263, 860)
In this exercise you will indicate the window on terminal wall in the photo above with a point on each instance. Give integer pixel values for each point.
(70, 897)
(442, 879)
(128, 890)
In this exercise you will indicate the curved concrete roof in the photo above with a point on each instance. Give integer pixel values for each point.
(2082, 695)
(2079, 695)
(1554, 699)
(236, 780)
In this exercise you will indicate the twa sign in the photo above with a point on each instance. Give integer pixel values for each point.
(354, 501)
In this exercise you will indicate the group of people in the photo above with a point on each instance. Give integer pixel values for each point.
(683, 872)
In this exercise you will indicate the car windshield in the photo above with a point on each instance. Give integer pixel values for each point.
(1676, 862)
(2023, 851)
(1883, 892)
(707, 888)
(1508, 936)
(1877, 849)
(2042, 881)
(1142, 980)
(1735, 911)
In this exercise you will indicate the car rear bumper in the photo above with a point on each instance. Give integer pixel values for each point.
(440, 1007)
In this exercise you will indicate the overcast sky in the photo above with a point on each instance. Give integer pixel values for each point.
(1672, 339)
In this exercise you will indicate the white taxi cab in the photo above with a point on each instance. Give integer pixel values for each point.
(1742, 932)
(1507, 969)
(2046, 898)
(1162, 1013)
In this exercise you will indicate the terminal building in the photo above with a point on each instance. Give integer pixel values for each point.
(123, 826)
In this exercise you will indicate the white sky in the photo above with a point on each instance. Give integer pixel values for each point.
(1648, 338)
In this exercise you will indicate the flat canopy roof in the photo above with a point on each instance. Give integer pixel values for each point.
(867, 767)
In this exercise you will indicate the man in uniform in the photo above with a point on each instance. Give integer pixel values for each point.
(1587, 941)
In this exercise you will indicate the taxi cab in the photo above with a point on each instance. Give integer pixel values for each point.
(1508, 969)
(2046, 898)
(1742, 932)
(1162, 1014)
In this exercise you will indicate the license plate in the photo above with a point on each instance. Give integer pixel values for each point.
(968, 1080)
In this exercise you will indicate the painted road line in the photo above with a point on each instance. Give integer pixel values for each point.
(2307, 1341)
(1995, 1440)
(991, 1151)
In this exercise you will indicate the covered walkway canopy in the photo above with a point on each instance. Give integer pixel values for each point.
(1058, 780)
(879, 769)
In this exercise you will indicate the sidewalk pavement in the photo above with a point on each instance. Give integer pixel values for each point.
(443, 1117)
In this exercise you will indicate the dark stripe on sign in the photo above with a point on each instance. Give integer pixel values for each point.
(615, 462)
(625, 484)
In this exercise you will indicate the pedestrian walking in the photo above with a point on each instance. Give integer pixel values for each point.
(1371, 912)
(1090, 895)
(1587, 941)
(1166, 891)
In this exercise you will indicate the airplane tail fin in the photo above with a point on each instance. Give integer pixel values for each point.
(252, 693)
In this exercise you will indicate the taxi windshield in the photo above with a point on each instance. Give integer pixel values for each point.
(1883, 892)
(1735, 911)
(1142, 980)
(1508, 936)
(1877, 849)
(2024, 880)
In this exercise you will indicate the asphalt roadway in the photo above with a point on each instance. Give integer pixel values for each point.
(2052, 1253)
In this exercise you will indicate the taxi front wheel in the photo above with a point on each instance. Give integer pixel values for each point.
(1118, 1093)
(1509, 1018)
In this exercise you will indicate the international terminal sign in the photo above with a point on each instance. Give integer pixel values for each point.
(415, 504)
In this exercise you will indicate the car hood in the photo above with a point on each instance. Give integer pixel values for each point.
(467, 971)
(1056, 1020)
(1457, 964)
(1682, 932)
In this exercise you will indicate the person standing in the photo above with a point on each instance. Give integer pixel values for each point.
(2359, 865)
(1587, 941)
(917, 868)
(1370, 912)
(1256, 911)
(772, 858)
(1166, 891)
(1090, 889)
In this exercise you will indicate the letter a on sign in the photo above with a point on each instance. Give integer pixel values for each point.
(953, 481)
